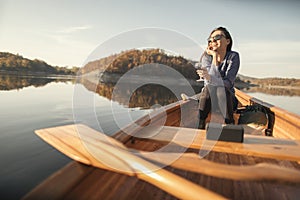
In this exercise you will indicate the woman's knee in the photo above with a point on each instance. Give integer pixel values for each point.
(205, 93)
(221, 94)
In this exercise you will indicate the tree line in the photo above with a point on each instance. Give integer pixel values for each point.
(11, 82)
(12, 63)
(269, 82)
(127, 60)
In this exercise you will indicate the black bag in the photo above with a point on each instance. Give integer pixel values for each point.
(228, 132)
(253, 114)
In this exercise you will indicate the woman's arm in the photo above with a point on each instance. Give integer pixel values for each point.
(232, 70)
(230, 74)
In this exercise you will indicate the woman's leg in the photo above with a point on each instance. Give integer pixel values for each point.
(225, 102)
(222, 101)
(204, 103)
(229, 119)
(204, 106)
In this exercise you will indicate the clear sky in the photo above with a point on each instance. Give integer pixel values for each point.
(64, 33)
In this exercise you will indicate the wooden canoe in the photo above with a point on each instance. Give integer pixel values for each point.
(150, 160)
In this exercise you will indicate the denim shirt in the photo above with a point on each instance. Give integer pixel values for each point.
(225, 73)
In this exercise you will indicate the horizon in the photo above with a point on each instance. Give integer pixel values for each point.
(64, 33)
(245, 75)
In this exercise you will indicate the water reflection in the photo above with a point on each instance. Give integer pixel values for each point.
(143, 97)
(12, 82)
(276, 91)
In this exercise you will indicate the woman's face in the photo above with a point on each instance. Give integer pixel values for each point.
(217, 41)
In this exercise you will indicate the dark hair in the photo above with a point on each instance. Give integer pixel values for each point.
(227, 36)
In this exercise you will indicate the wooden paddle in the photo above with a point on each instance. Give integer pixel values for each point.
(265, 147)
(113, 153)
(258, 172)
(110, 154)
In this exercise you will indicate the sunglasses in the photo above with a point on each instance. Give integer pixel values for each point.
(215, 38)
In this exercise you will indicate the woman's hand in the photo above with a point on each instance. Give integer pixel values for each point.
(210, 50)
(203, 73)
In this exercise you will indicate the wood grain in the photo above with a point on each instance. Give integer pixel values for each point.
(55, 187)
(92, 147)
(82, 144)
(286, 124)
(258, 172)
(266, 147)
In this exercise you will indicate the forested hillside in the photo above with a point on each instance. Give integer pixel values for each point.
(123, 62)
(11, 63)
(270, 82)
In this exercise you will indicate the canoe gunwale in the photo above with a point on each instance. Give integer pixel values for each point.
(172, 109)
(282, 123)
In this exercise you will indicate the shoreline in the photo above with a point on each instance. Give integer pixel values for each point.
(37, 75)
(112, 77)
(279, 87)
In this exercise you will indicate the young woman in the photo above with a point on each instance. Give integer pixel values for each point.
(220, 66)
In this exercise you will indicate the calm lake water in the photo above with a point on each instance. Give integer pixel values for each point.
(28, 104)
(289, 103)
(26, 160)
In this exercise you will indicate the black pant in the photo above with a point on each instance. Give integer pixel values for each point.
(217, 99)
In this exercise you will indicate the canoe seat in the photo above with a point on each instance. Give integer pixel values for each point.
(253, 145)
